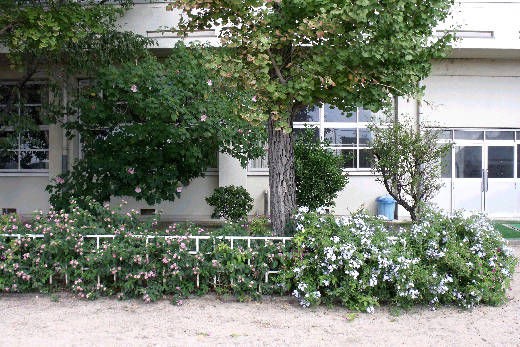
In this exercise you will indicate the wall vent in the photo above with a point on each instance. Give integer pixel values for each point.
(147, 211)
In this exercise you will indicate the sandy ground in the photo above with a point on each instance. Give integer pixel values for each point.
(30, 320)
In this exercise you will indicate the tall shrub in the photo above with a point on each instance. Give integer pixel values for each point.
(319, 173)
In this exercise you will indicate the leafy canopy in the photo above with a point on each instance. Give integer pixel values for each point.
(55, 38)
(148, 129)
(302, 53)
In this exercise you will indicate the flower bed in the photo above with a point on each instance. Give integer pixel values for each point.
(356, 261)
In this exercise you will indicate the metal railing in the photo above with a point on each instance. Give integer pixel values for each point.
(197, 238)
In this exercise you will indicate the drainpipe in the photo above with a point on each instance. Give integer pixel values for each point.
(396, 120)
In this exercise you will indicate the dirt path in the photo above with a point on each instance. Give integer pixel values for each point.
(30, 320)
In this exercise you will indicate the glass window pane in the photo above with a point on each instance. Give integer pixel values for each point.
(308, 115)
(469, 135)
(500, 135)
(299, 132)
(34, 160)
(4, 93)
(336, 115)
(468, 162)
(35, 140)
(8, 140)
(349, 157)
(364, 115)
(340, 137)
(517, 161)
(35, 114)
(501, 161)
(8, 160)
(365, 158)
(32, 94)
(365, 136)
(446, 164)
(445, 135)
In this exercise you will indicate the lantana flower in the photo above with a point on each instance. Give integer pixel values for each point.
(133, 88)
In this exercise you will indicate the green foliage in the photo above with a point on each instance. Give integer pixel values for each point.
(60, 38)
(359, 263)
(296, 54)
(319, 173)
(148, 129)
(133, 258)
(230, 202)
(408, 162)
(78, 34)
(344, 53)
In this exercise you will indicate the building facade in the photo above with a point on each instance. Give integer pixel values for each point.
(473, 96)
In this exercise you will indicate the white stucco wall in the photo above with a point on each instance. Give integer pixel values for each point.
(473, 93)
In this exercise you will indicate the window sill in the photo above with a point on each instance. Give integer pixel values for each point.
(23, 174)
(349, 172)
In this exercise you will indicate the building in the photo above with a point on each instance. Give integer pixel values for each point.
(473, 95)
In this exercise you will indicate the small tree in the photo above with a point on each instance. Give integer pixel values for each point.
(149, 128)
(409, 162)
(319, 172)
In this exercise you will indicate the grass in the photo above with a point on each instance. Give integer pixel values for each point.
(506, 232)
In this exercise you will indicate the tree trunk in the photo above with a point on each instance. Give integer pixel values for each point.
(282, 185)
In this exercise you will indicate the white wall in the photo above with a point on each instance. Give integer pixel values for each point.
(473, 93)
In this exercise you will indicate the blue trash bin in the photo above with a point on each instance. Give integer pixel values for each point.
(386, 206)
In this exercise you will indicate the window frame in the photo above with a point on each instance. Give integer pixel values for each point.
(40, 128)
(322, 125)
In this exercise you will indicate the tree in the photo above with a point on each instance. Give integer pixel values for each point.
(149, 128)
(295, 54)
(61, 37)
(409, 162)
(318, 171)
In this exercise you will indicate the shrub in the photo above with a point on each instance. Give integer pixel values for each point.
(408, 163)
(319, 173)
(360, 263)
(133, 260)
(230, 202)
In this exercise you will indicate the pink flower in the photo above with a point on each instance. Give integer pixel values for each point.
(240, 131)
(254, 98)
(210, 83)
(203, 118)
(138, 190)
(133, 88)
(131, 171)
(59, 180)
(179, 189)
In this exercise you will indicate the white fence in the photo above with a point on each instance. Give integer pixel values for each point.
(197, 238)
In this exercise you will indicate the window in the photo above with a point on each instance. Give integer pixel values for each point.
(347, 134)
(26, 151)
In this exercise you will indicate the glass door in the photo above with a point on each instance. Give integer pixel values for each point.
(468, 187)
(500, 193)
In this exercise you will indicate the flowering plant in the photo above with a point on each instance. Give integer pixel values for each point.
(360, 263)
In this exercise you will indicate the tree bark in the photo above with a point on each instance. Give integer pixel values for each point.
(282, 185)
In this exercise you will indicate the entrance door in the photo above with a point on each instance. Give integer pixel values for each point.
(500, 195)
(481, 172)
(468, 178)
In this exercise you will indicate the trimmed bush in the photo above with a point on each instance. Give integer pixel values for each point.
(319, 172)
(230, 202)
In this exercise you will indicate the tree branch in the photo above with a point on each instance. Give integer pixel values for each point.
(276, 68)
